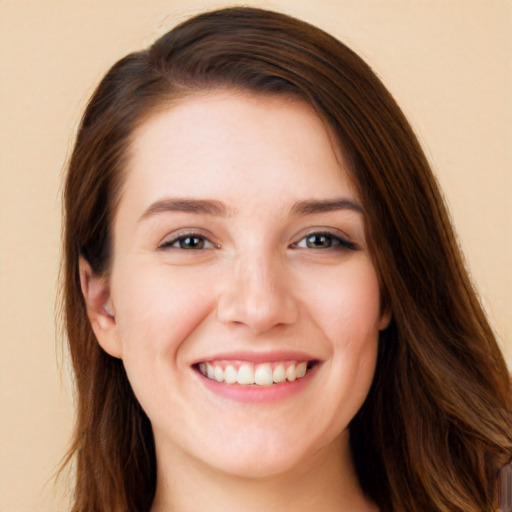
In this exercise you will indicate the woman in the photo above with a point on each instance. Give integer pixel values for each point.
(265, 303)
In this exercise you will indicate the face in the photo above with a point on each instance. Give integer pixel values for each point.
(242, 297)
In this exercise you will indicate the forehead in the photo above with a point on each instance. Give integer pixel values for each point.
(231, 143)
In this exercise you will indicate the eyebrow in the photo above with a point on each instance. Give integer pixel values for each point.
(216, 208)
(320, 206)
(187, 205)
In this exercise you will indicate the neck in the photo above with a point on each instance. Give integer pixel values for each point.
(326, 481)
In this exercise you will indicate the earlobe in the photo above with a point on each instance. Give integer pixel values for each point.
(385, 320)
(100, 309)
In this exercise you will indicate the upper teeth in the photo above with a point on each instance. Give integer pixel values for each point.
(247, 373)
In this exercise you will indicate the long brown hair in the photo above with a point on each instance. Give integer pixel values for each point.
(435, 427)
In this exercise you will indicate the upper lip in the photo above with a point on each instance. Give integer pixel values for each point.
(258, 357)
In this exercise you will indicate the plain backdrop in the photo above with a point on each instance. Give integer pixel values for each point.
(447, 62)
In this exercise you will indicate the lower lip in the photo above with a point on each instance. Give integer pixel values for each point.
(257, 394)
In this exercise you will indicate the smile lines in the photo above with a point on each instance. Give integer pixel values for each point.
(260, 374)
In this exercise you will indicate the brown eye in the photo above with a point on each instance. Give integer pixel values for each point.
(317, 241)
(190, 242)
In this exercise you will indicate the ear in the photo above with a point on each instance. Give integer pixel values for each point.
(100, 310)
(385, 319)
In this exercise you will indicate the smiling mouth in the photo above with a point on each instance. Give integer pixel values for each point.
(246, 373)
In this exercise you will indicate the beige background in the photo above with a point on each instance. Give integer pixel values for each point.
(448, 63)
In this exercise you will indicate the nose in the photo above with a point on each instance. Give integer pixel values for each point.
(258, 294)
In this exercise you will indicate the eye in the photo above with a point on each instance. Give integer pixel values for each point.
(324, 241)
(188, 242)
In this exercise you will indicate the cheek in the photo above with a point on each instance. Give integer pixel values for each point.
(158, 306)
(346, 303)
(353, 329)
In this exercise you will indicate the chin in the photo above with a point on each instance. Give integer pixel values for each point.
(259, 457)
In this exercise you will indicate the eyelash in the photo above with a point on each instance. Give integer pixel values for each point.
(181, 238)
(335, 242)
